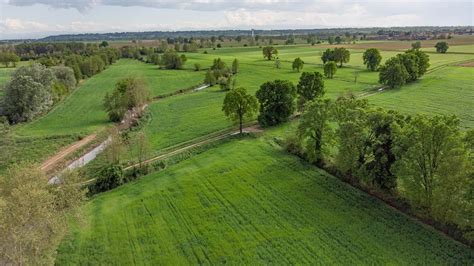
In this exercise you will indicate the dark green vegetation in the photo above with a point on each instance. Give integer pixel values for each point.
(248, 202)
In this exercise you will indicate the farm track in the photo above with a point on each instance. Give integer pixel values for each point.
(52, 161)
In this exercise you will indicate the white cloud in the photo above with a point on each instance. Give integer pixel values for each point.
(12, 25)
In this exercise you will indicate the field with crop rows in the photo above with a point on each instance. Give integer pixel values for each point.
(248, 202)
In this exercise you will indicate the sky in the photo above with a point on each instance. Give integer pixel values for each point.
(40, 18)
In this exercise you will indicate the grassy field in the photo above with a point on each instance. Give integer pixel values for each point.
(447, 91)
(82, 111)
(248, 202)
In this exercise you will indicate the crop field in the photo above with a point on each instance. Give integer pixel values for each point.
(447, 91)
(248, 202)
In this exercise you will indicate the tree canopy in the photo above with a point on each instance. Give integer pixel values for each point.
(269, 52)
(442, 47)
(277, 102)
(239, 105)
(310, 87)
(372, 58)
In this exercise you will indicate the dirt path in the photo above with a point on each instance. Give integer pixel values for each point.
(52, 161)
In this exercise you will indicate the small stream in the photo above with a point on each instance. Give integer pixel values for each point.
(83, 160)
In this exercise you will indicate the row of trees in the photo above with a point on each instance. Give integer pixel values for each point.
(276, 99)
(427, 160)
(32, 90)
(170, 59)
(404, 68)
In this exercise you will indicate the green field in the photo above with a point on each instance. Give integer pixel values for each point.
(185, 117)
(446, 91)
(248, 202)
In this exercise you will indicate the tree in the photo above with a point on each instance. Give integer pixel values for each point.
(128, 94)
(310, 87)
(338, 39)
(442, 47)
(297, 64)
(430, 155)
(277, 102)
(65, 76)
(28, 93)
(104, 44)
(331, 39)
(314, 131)
(416, 45)
(327, 56)
(171, 60)
(422, 60)
(372, 58)
(330, 69)
(410, 62)
(239, 105)
(341, 55)
(197, 67)
(210, 78)
(381, 127)
(351, 134)
(277, 63)
(7, 57)
(34, 214)
(235, 66)
(393, 73)
(269, 52)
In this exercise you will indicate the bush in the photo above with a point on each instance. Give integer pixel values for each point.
(110, 176)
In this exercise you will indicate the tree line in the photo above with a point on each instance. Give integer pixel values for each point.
(426, 161)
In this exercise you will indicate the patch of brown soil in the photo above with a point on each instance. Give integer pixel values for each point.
(52, 161)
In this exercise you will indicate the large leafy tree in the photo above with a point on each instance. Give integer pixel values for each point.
(341, 55)
(372, 58)
(442, 47)
(28, 93)
(128, 93)
(171, 60)
(34, 214)
(327, 56)
(239, 105)
(393, 73)
(381, 126)
(8, 57)
(314, 131)
(330, 69)
(410, 62)
(277, 102)
(269, 52)
(429, 153)
(310, 87)
(297, 64)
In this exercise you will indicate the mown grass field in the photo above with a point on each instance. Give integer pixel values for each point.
(248, 202)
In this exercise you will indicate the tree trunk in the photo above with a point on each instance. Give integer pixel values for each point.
(240, 122)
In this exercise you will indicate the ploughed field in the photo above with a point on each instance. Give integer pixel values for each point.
(246, 201)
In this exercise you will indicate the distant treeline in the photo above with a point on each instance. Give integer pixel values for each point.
(152, 35)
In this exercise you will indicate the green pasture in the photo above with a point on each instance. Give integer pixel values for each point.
(447, 91)
(248, 202)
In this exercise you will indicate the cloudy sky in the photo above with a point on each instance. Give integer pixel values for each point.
(38, 18)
